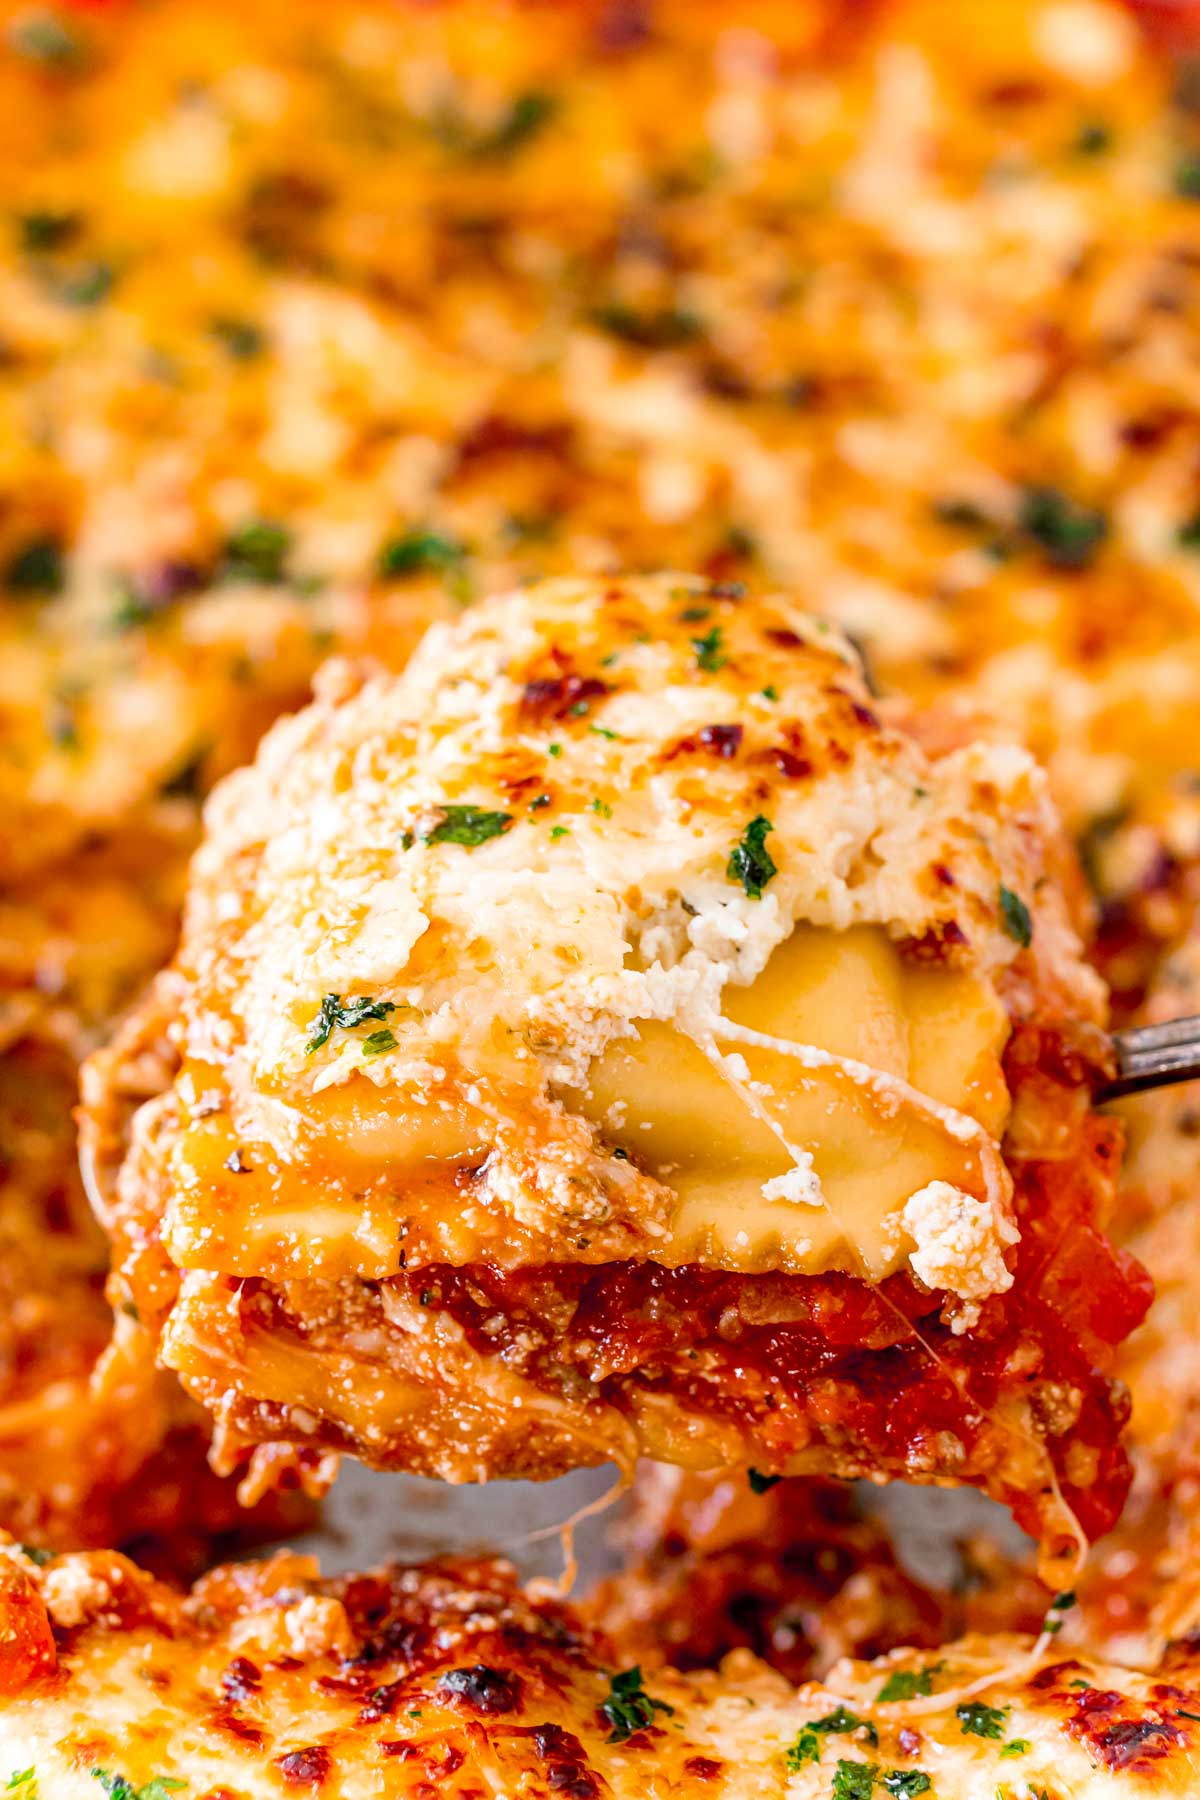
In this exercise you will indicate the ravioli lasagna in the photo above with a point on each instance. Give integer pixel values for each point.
(612, 1037)
(448, 1680)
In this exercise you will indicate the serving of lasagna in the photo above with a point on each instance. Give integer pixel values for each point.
(662, 1020)
(612, 1037)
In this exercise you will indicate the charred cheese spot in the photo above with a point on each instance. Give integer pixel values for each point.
(136, 1677)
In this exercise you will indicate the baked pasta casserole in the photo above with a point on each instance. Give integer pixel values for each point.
(613, 1037)
(450, 1681)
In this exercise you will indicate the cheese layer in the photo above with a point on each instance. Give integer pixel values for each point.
(620, 924)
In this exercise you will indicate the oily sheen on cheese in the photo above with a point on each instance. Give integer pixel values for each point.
(612, 1037)
(448, 1679)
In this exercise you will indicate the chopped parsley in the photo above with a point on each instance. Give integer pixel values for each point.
(1093, 138)
(240, 337)
(560, 831)
(1069, 534)
(1188, 534)
(1187, 176)
(336, 1014)
(467, 825)
(760, 1483)
(36, 567)
(854, 1780)
(525, 118)
(629, 1707)
(963, 514)
(614, 737)
(905, 1684)
(976, 1720)
(1015, 918)
(907, 1783)
(119, 1787)
(1061, 1604)
(36, 1554)
(1015, 1747)
(807, 1747)
(45, 38)
(24, 1778)
(770, 692)
(841, 1720)
(750, 862)
(662, 329)
(44, 229)
(257, 552)
(554, 749)
(379, 1041)
(420, 551)
(710, 654)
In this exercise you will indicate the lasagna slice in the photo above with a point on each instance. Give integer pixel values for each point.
(449, 1680)
(612, 1037)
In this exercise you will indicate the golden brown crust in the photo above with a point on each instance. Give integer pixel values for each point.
(449, 1679)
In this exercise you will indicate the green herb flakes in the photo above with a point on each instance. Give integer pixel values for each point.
(257, 552)
(1093, 138)
(1067, 533)
(710, 655)
(854, 1780)
(806, 1749)
(1186, 180)
(629, 1707)
(750, 862)
(418, 552)
(905, 1684)
(43, 230)
(119, 1787)
(977, 1720)
(1015, 1747)
(906, 1783)
(1056, 1613)
(36, 567)
(1015, 917)
(336, 1014)
(467, 825)
(663, 329)
(840, 1722)
(527, 115)
(240, 338)
(43, 37)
